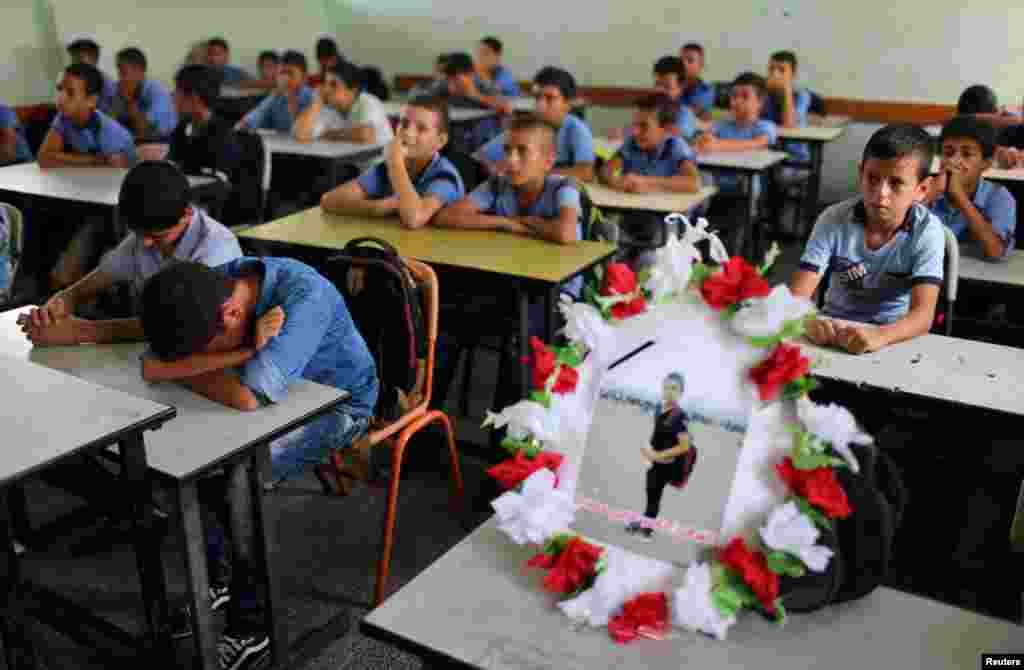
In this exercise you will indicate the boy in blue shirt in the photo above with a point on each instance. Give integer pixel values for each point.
(13, 147)
(415, 181)
(670, 78)
(279, 110)
(788, 104)
(698, 95)
(269, 64)
(554, 91)
(86, 50)
(218, 53)
(884, 248)
(142, 105)
(489, 69)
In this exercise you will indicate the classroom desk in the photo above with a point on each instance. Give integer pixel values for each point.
(532, 266)
(90, 418)
(234, 103)
(608, 198)
(330, 153)
(1008, 273)
(205, 436)
(476, 607)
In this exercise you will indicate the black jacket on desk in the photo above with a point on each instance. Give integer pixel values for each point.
(210, 146)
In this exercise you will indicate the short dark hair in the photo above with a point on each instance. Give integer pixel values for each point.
(326, 47)
(971, 128)
(84, 45)
(180, 308)
(559, 78)
(785, 56)
(438, 105)
(493, 43)
(457, 63)
(899, 140)
(349, 74)
(531, 121)
(218, 42)
(89, 74)
(268, 55)
(442, 59)
(663, 107)
(201, 81)
(132, 56)
(295, 58)
(670, 65)
(977, 99)
(693, 46)
(153, 197)
(751, 79)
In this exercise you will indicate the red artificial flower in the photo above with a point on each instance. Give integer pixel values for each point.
(818, 486)
(619, 279)
(545, 362)
(624, 310)
(752, 567)
(784, 365)
(514, 471)
(646, 614)
(570, 568)
(737, 281)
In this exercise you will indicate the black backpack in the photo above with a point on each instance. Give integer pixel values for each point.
(862, 543)
(386, 304)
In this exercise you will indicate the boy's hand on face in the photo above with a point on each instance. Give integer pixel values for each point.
(955, 188)
(860, 339)
(396, 151)
(268, 327)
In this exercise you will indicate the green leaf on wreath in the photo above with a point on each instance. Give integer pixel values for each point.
(799, 387)
(764, 342)
(785, 564)
(780, 612)
(811, 460)
(569, 356)
(813, 513)
(700, 272)
(643, 277)
(730, 311)
(512, 445)
(542, 397)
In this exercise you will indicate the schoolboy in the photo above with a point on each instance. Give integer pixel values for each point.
(974, 208)
(165, 228)
(884, 248)
(554, 91)
(218, 56)
(460, 73)
(698, 95)
(269, 64)
(279, 110)
(142, 105)
(240, 335)
(327, 56)
(86, 50)
(202, 140)
(13, 146)
(491, 71)
(343, 112)
(980, 101)
(787, 104)
(415, 181)
(746, 131)
(669, 78)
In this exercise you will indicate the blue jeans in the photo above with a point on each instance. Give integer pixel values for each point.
(310, 444)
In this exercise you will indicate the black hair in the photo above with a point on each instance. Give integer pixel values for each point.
(971, 128)
(899, 140)
(663, 107)
(559, 78)
(438, 105)
(694, 46)
(131, 56)
(751, 79)
(296, 58)
(977, 99)
(531, 121)
(89, 74)
(180, 308)
(671, 65)
(201, 81)
(326, 47)
(218, 42)
(785, 57)
(349, 74)
(458, 63)
(153, 197)
(84, 45)
(493, 43)
(269, 55)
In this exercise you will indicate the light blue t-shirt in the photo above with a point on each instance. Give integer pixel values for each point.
(8, 119)
(503, 81)
(574, 144)
(101, 135)
(155, 102)
(273, 113)
(772, 111)
(874, 286)
(686, 121)
(107, 95)
(700, 96)
(439, 179)
(662, 162)
(728, 181)
(997, 206)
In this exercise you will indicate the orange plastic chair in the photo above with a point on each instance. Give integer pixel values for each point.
(409, 424)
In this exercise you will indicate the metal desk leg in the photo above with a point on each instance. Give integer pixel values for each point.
(18, 651)
(550, 313)
(524, 341)
(147, 550)
(193, 545)
(266, 549)
(813, 186)
(749, 224)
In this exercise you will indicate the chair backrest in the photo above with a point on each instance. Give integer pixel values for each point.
(249, 181)
(17, 241)
(430, 294)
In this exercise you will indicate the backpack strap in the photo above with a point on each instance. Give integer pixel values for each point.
(361, 241)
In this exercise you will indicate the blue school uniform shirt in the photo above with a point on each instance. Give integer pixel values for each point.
(574, 144)
(107, 95)
(772, 111)
(155, 102)
(503, 81)
(700, 96)
(874, 286)
(232, 75)
(101, 135)
(728, 181)
(997, 206)
(662, 162)
(439, 179)
(273, 114)
(686, 121)
(8, 119)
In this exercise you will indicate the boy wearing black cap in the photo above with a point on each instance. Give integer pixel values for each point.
(165, 229)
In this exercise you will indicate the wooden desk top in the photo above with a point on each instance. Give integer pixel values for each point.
(94, 185)
(486, 251)
(602, 196)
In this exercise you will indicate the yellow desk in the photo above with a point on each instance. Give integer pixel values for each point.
(531, 266)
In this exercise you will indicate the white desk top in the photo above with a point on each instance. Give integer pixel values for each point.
(283, 143)
(602, 196)
(993, 174)
(477, 605)
(94, 185)
(746, 161)
(1003, 273)
(34, 436)
(455, 114)
(812, 133)
(233, 93)
(204, 432)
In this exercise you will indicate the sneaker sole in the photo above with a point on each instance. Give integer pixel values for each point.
(263, 650)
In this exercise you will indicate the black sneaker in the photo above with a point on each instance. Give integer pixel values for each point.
(646, 533)
(243, 653)
(633, 527)
(181, 619)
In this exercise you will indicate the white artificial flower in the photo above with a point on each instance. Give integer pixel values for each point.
(538, 512)
(526, 418)
(673, 264)
(584, 324)
(788, 529)
(692, 607)
(834, 424)
(625, 576)
(765, 317)
(697, 232)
